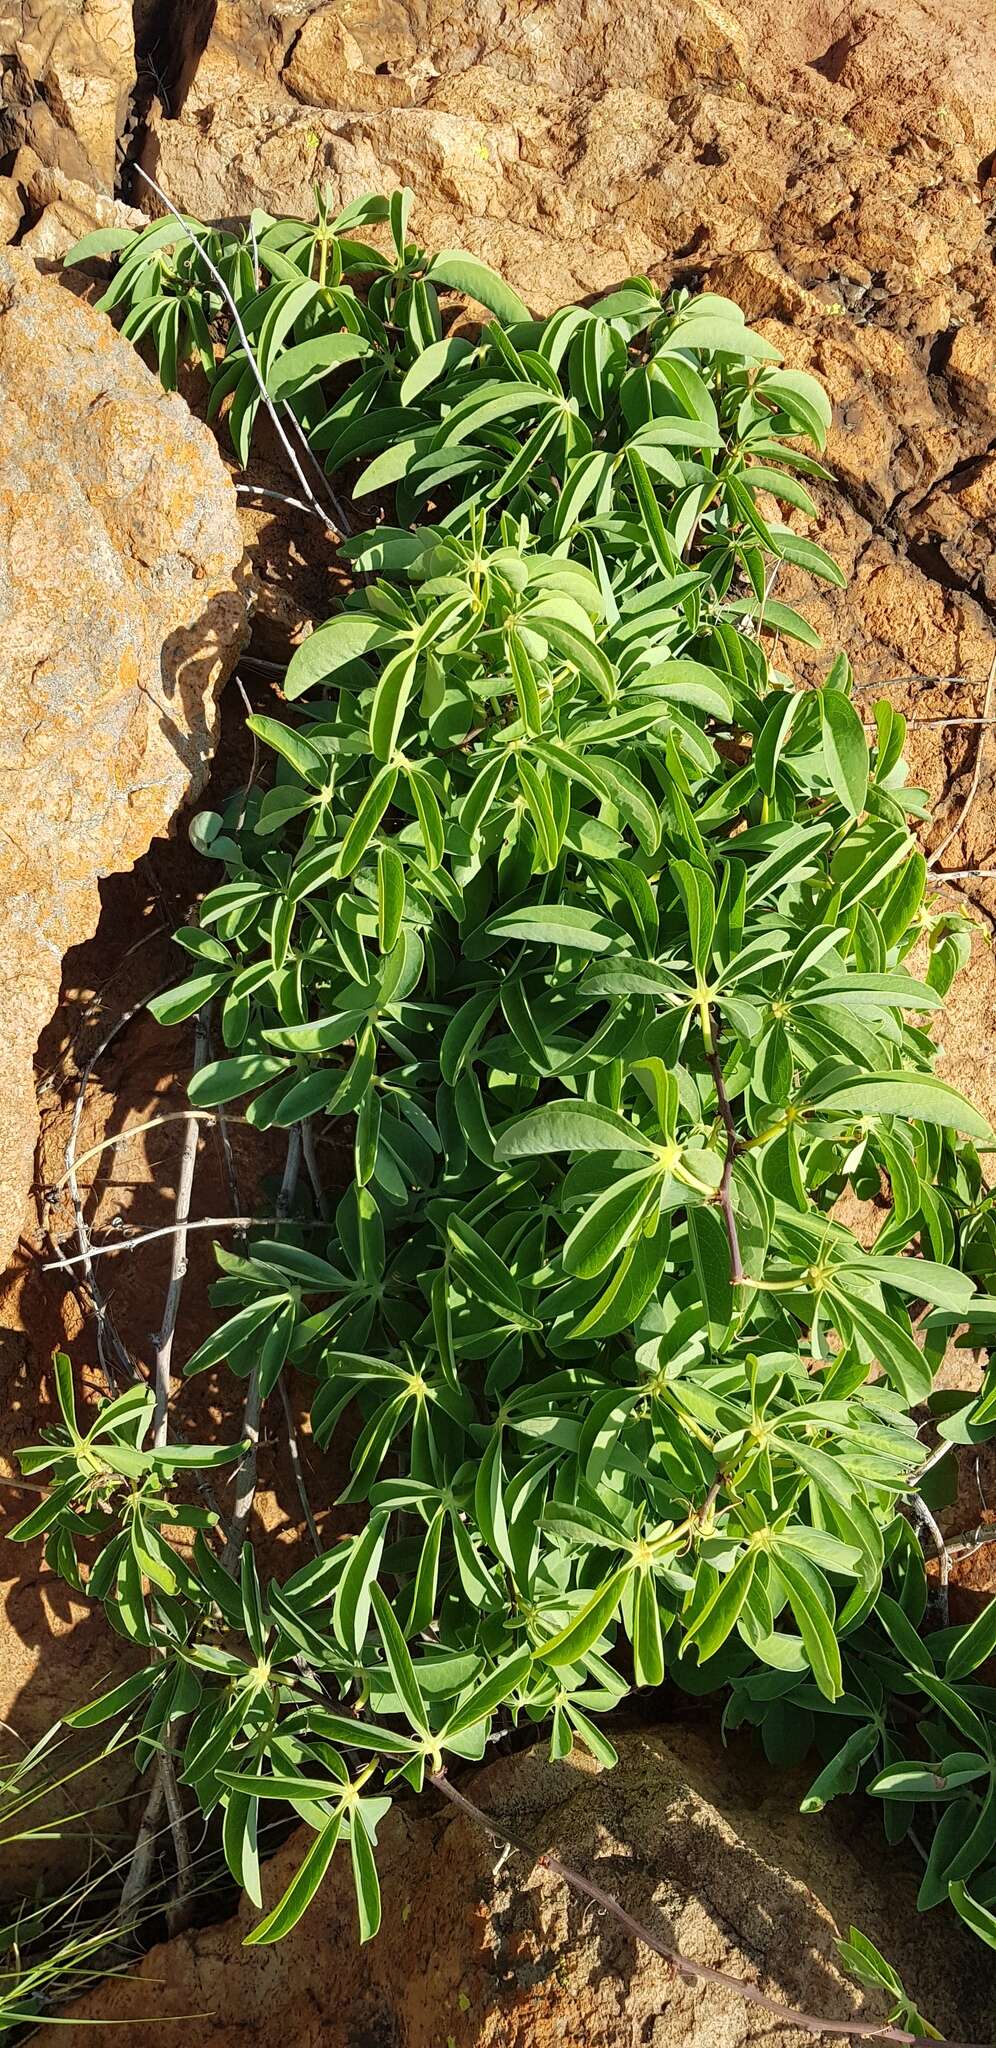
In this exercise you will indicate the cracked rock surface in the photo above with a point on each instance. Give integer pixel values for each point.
(121, 615)
(480, 1951)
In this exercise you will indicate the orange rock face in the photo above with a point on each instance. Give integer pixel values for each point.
(120, 617)
(479, 1951)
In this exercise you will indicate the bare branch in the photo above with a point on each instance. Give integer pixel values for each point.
(297, 1467)
(247, 1469)
(726, 1184)
(178, 1266)
(926, 1525)
(314, 1170)
(130, 1244)
(178, 1912)
(152, 1123)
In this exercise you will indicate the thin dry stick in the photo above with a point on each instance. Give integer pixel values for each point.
(130, 1244)
(297, 1467)
(152, 1123)
(106, 1330)
(704, 1973)
(254, 763)
(140, 1868)
(893, 682)
(178, 1265)
(216, 275)
(269, 668)
(92, 1302)
(344, 523)
(314, 1170)
(959, 1546)
(298, 504)
(155, 931)
(224, 1133)
(247, 1469)
(926, 1524)
(976, 776)
(726, 1183)
(178, 1912)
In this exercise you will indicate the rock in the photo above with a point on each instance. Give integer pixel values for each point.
(65, 87)
(10, 209)
(956, 519)
(325, 68)
(698, 1842)
(972, 367)
(120, 617)
(67, 210)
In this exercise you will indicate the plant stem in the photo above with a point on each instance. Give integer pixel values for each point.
(130, 1244)
(179, 1908)
(726, 1184)
(926, 1523)
(297, 1467)
(247, 1471)
(314, 1170)
(178, 1264)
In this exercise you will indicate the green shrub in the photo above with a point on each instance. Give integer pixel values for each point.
(590, 933)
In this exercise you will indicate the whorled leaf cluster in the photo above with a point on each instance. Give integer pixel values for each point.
(586, 936)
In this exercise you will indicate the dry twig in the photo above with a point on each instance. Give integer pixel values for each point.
(178, 1264)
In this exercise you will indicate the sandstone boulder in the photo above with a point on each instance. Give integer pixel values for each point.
(477, 1950)
(62, 210)
(120, 617)
(69, 67)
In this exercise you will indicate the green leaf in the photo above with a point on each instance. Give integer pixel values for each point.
(841, 1774)
(399, 1662)
(465, 274)
(302, 1888)
(805, 1587)
(368, 815)
(112, 1705)
(432, 364)
(490, 1693)
(390, 897)
(364, 1877)
(333, 646)
(570, 1127)
(389, 706)
(978, 1918)
(711, 1260)
(302, 365)
(922, 1098)
(845, 749)
(973, 1646)
(222, 1080)
(351, 1610)
(585, 1628)
(302, 756)
(609, 1224)
(99, 242)
(709, 1628)
(487, 1275)
(557, 924)
(429, 815)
